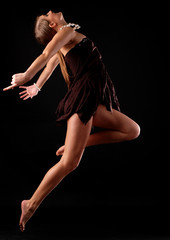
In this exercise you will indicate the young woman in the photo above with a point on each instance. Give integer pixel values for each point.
(90, 100)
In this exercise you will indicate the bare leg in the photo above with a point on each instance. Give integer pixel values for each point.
(117, 127)
(102, 137)
(76, 139)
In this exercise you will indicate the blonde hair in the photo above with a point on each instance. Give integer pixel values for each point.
(44, 34)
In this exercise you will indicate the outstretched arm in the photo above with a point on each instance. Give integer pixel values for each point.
(48, 70)
(58, 41)
(33, 90)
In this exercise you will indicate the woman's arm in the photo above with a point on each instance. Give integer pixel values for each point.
(48, 70)
(31, 91)
(58, 41)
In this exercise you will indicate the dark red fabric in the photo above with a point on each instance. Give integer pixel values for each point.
(90, 84)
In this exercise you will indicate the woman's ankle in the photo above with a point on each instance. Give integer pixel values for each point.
(32, 205)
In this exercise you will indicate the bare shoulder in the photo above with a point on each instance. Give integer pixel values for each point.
(75, 40)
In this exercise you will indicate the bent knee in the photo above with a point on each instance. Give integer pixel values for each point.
(133, 132)
(70, 163)
(71, 166)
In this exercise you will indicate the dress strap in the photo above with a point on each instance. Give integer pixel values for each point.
(73, 25)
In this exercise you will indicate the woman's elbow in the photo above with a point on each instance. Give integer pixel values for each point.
(46, 56)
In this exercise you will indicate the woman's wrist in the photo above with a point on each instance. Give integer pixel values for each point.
(27, 76)
(37, 87)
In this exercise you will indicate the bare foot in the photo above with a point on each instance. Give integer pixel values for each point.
(26, 214)
(60, 151)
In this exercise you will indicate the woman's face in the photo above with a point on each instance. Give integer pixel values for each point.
(56, 18)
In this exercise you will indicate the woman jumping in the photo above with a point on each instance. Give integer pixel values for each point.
(90, 100)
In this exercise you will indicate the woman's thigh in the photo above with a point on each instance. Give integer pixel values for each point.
(114, 120)
(76, 137)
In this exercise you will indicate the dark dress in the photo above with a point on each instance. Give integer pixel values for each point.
(90, 84)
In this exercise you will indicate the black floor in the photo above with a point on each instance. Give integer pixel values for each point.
(88, 222)
(83, 232)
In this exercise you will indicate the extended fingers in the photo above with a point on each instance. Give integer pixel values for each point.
(24, 95)
(9, 87)
(22, 92)
(28, 96)
(23, 87)
(13, 84)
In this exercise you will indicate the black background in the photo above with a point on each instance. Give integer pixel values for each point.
(118, 188)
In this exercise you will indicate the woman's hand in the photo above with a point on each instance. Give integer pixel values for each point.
(17, 80)
(29, 92)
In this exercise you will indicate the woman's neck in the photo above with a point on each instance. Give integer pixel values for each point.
(57, 28)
